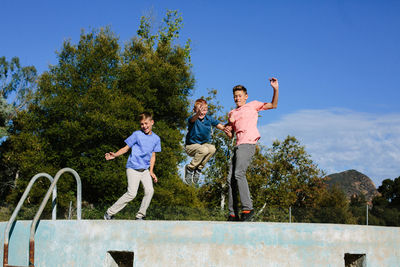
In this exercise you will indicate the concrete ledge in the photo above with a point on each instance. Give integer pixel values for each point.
(200, 243)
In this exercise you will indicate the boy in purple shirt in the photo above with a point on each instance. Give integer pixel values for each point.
(243, 122)
(143, 144)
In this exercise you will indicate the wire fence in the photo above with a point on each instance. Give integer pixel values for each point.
(360, 215)
(354, 215)
(336, 215)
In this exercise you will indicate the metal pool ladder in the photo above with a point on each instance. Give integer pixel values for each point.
(51, 189)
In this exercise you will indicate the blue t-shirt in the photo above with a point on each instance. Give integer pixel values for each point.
(199, 132)
(142, 147)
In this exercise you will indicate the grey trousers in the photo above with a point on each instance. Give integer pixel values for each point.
(134, 178)
(237, 181)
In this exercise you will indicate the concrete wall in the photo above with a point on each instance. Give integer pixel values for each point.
(193, 243)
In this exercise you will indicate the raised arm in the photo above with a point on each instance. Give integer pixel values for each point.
(274, 103)
(120, 152)
(200, 110)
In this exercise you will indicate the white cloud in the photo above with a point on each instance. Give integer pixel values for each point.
(342, 139)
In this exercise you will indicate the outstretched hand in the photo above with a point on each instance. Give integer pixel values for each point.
(110, 156)
(228, 131)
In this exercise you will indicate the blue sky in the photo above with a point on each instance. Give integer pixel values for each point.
(338, 64)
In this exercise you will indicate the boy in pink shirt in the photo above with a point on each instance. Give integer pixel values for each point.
(243, 122)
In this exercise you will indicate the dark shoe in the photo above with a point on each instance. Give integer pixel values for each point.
(140, 219)
(188, 175)
(196, 176)
(233, 218)
(247, 215)
(108, 217)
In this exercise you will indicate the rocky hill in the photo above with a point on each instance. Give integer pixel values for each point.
(353, 182)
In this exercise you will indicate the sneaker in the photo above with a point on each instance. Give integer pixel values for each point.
(108, 217)
(196, 176)
(141, 218)
(233, 218)
(247, 215)
(188, 175)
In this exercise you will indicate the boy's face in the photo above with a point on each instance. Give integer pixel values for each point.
(203, 109)
(146, 125)
(240, 98)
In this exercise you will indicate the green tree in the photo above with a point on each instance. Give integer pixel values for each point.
(386, 207)
(293, 179)
(334, 207)
(5, 115)
(358, 205)
(16, 82)
(17, 85)
(88, 103)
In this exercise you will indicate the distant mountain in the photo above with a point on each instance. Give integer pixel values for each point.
(353, 182)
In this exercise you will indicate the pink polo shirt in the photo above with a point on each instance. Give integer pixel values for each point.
(244, 122)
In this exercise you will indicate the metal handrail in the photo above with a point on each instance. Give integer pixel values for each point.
(44, 202)
(17, 209)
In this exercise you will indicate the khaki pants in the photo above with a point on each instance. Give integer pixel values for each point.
(201, 153)
(134, 178)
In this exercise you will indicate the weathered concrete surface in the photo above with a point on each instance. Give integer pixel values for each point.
(191, 243)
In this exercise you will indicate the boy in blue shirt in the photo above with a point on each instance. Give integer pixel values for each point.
(198, 140)
(143, 144)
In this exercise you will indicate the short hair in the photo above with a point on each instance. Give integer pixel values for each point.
(145, 115)
(200, 101)
(239, 88)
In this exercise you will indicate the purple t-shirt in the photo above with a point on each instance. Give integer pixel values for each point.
(142, 147)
